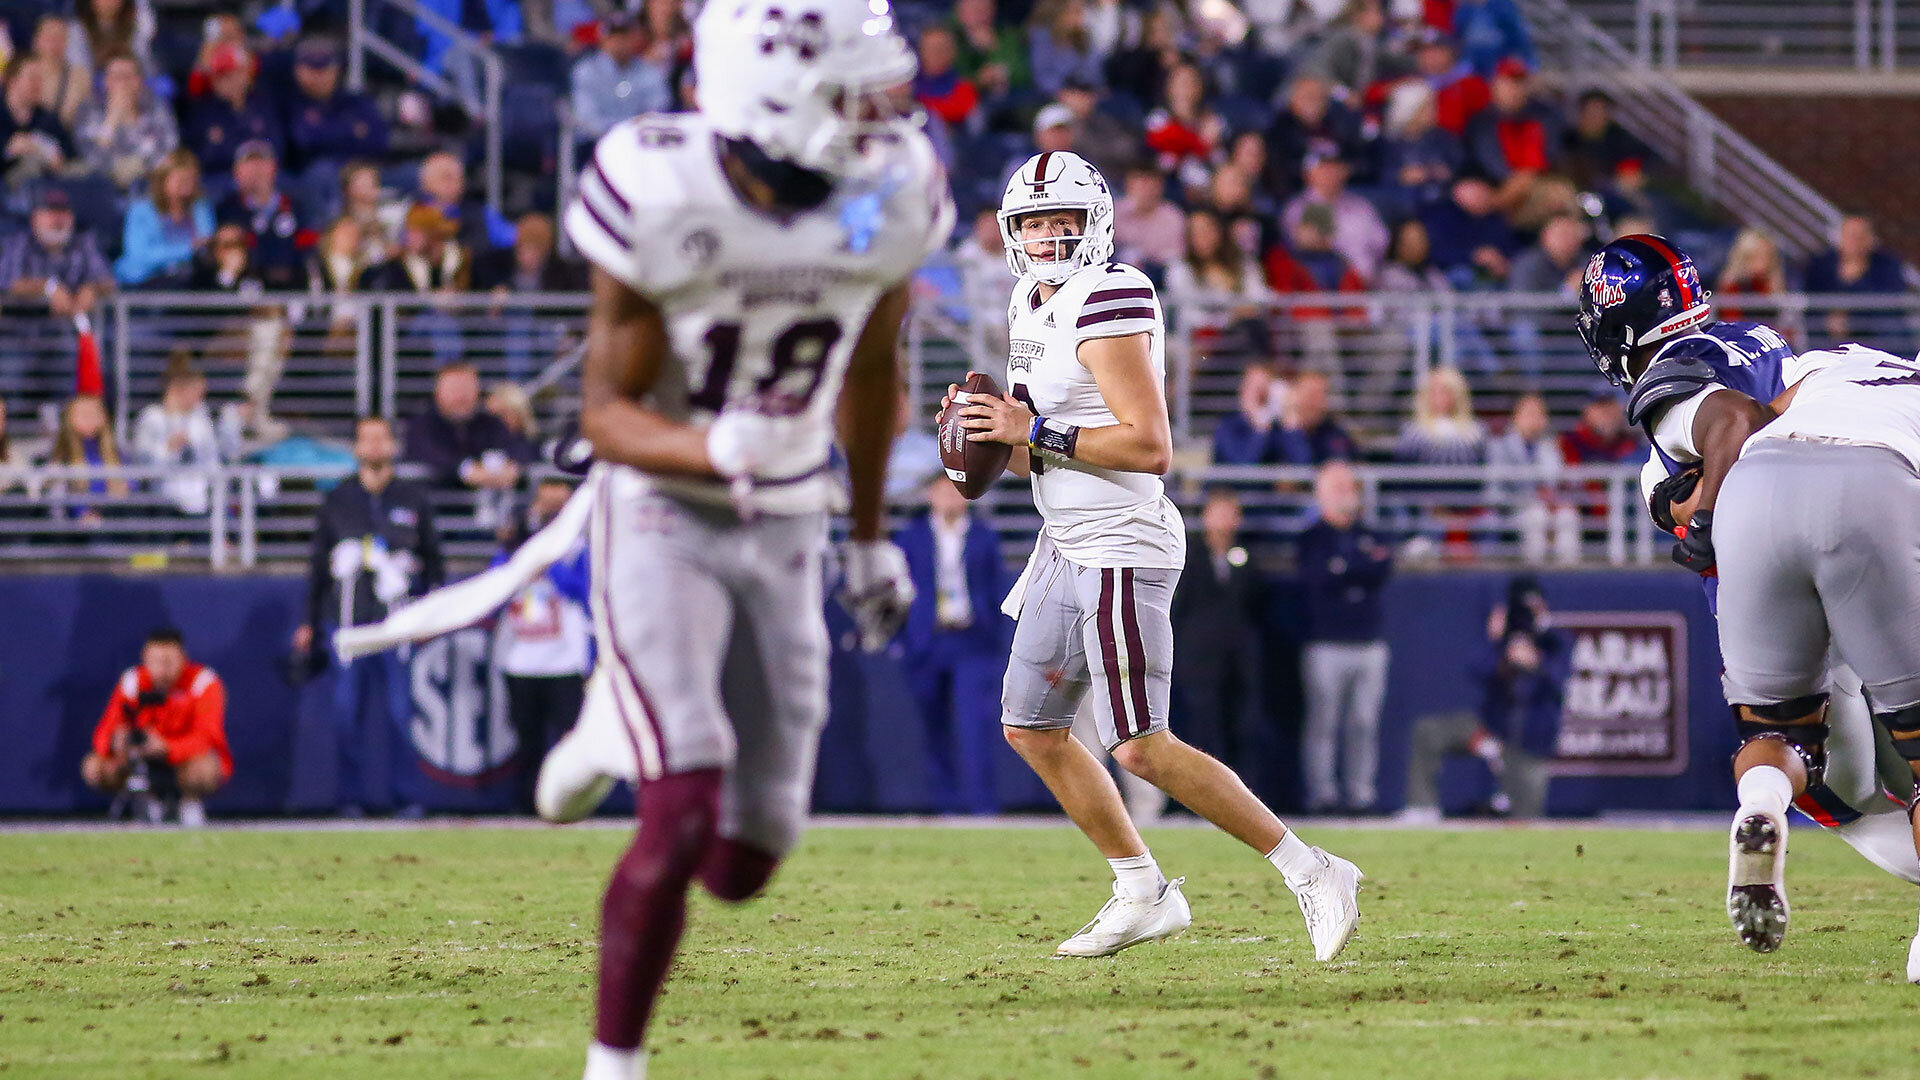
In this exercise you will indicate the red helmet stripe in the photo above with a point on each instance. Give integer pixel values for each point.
(1673, 257)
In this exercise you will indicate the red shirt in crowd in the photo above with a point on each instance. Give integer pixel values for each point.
(1523, 143)
(193, 719)
(1173, 139)
(1457, 101)
(1583, 446)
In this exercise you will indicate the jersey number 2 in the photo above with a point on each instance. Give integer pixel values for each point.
(801, 348)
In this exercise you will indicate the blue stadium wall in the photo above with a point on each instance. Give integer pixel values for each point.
(65, 639)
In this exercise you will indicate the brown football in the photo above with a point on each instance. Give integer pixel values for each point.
(972, 466)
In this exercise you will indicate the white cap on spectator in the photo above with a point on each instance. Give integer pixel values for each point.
(1052, 115)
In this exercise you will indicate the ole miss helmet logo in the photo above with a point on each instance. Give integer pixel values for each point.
(1606, 293)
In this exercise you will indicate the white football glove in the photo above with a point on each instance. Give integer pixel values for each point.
(876, 589)
(747, 445)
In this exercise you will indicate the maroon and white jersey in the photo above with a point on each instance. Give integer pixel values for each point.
(762, 309)
(1095, 516)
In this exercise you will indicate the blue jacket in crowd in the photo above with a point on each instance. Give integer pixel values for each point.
(1344, 571)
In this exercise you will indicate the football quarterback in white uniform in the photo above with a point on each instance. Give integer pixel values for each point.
(1086, 414)
(748, 260)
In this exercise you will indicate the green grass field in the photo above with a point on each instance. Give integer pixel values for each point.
(896, 953)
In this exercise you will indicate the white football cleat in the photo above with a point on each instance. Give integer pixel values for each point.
(1757, 878)
(1913, 960)
(584, 765)
(1330, 901)
(1125, 922)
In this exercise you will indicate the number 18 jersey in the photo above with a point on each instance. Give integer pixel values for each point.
(762, 309)
(1096, 517)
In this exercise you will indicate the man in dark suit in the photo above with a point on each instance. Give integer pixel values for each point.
(1216, 637)
(955, 645)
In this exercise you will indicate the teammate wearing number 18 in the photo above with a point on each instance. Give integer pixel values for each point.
(1087, 418)
(748, 261)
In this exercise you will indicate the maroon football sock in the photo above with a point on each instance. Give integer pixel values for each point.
(736, 872)
(646, 902)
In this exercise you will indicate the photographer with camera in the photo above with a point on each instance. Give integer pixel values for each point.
(1522, 674)
(164, 732)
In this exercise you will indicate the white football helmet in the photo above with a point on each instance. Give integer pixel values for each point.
(806, 81)
(1057, 180)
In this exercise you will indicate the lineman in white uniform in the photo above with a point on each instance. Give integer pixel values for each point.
(1086, 414)
(1817, 530)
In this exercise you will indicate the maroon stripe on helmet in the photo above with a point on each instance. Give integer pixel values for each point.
(1110, 654)
(1040, 169)
(619, 200)
(1119, 294)
(1674, 259)
(1096, 317)
(1137, 652)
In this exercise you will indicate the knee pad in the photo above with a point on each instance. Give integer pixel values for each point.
(736, 872)
(1808, 741)
(1904, 726)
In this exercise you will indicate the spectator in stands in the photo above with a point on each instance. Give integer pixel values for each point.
(1458, 91)
(622, 78)
(1250, 435)
(50, 264)
(459, 444)
(374, 544)
(85, 440)
(66, 86)
(532, 264)
(954, 644)
(1490, 31)
(220, 31)
(1310, 263)
(1183, 131)
(361, 201)
(1554, 264)
(1356, 53)
(1753, 268)
(1443, 429)
(940, 89)
(171, 713)
(430, 259)
(1602, 435)
(544, 642)
(103, 28)
(339, 261)
(178, 432)
(1858, 264)
(125, 133)
(226, 264)
(1218, 607)
(913, 460)
(1058, 47)
(166, 227)
(1521, 675)
(443, 186)
(278, 238)
(1052, 132)
(1409, 267)
(260, 334)
(1247, 153)
(1470, 239)
(1248, 215)
(515, 409)
(1344, 566)
(234, 114)
(326, 124)
(1418, 158)
(33, 141)
(1515, 140)
(1526, 465)
(1308, 433)
(1596, 145)
(1103, 140)
(1310, 120)
(1110, 25)
(1358, 233)
(1147, 228)
(1214, 269)
(1140, 72)
(993, 56)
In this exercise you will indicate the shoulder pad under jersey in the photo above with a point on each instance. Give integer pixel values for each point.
(1673, 377)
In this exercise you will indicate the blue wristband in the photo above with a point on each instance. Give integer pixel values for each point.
(1033, 433)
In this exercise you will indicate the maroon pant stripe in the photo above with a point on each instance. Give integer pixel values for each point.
(1137, 653)
(620, 657)
(1110, 654)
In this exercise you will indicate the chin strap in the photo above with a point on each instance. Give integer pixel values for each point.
(795, 187)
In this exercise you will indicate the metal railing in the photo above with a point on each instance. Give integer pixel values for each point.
(1719, 162)
(1858, 35)
(482, 102)
(240, 517)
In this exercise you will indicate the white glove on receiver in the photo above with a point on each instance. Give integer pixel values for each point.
(876, 589)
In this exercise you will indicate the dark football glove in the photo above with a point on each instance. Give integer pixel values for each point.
(1676, 488)
(1695, 549)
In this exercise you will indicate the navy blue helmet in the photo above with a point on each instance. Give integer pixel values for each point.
(1636, 291)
